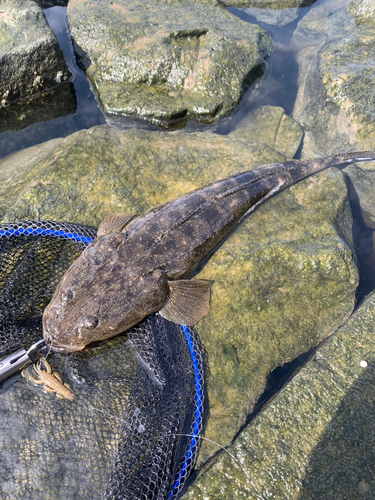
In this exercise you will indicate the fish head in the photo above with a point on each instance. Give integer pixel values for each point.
(99, 297)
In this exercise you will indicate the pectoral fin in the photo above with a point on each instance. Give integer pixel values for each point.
(188, 301)
(114, 223)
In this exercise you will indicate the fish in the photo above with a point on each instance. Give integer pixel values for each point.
(139, 264)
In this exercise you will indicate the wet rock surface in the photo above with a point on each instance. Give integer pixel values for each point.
(347, 69)
(167, 60)
(277, 17)
(283, 281)
(362, 177)
(316, 438)
(335, 100)
(269, 125)
(103, 170)
(46, 4)
(50, 104)
(31, 59)
(270, 4)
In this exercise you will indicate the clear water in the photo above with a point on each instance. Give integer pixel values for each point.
(87, 113)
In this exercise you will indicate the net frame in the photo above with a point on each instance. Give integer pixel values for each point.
(82, 236)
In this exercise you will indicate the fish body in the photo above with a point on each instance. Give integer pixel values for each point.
(137, 266)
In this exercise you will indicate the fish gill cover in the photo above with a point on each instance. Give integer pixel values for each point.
(133, 428)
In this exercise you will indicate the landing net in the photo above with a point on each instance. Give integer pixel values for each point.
(133, 429)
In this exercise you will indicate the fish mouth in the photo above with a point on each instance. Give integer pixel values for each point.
(65, 349)
(49, 339)
(61, 348)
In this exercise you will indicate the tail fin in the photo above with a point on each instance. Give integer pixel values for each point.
(356, 156)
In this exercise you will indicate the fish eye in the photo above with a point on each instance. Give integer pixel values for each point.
(67, 296)
(90, 322)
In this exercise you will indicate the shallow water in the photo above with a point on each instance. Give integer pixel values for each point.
(277, 87)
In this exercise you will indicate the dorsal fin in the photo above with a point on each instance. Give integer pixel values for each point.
(114, 223)
(188, 301)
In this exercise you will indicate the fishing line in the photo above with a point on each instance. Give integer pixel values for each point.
(199, 437)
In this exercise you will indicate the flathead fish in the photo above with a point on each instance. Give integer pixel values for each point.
(139, 264)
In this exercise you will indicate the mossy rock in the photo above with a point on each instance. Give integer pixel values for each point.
(270, 4)
(270, 125)
(31, 59)
(167, 60)
(335, 99)
(283, 281)
(347, 70)
(316, 438)
(59, 101)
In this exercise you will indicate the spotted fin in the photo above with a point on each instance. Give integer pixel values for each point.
(114, 223)
(188, 301)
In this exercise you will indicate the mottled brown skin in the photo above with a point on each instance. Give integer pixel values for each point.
(122, 277)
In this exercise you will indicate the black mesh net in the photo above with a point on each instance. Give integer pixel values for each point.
(133, 428)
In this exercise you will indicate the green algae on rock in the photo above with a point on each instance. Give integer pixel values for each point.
(59, 101)
(270, 4)
(316, 438)
(95, 172)
(270, 125)
(335, 99)
(31, 59)
(284, 280)
(167, 60)
(347, 69)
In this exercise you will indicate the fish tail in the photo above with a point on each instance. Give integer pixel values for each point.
(296, 170)
(356, 156)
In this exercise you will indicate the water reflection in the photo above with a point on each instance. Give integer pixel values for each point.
(87, 113)
(279, 85)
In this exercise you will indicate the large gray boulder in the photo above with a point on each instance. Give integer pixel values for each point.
(31, 59)
(283, 281)
(269, 125)
(335, 101)
(53, 103)
(270, 4)
(316, 439)
(167, 60)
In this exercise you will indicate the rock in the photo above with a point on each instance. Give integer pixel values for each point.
(283, 281)
(167, 60)
(347, 70)
(139, 169)
(270, 125)
(316, 438)
(362, 177)
(50, 104)
(335, 100)
(277, 17)
(46, 4)
(270, 4)
(31, 59)
(363, 11)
